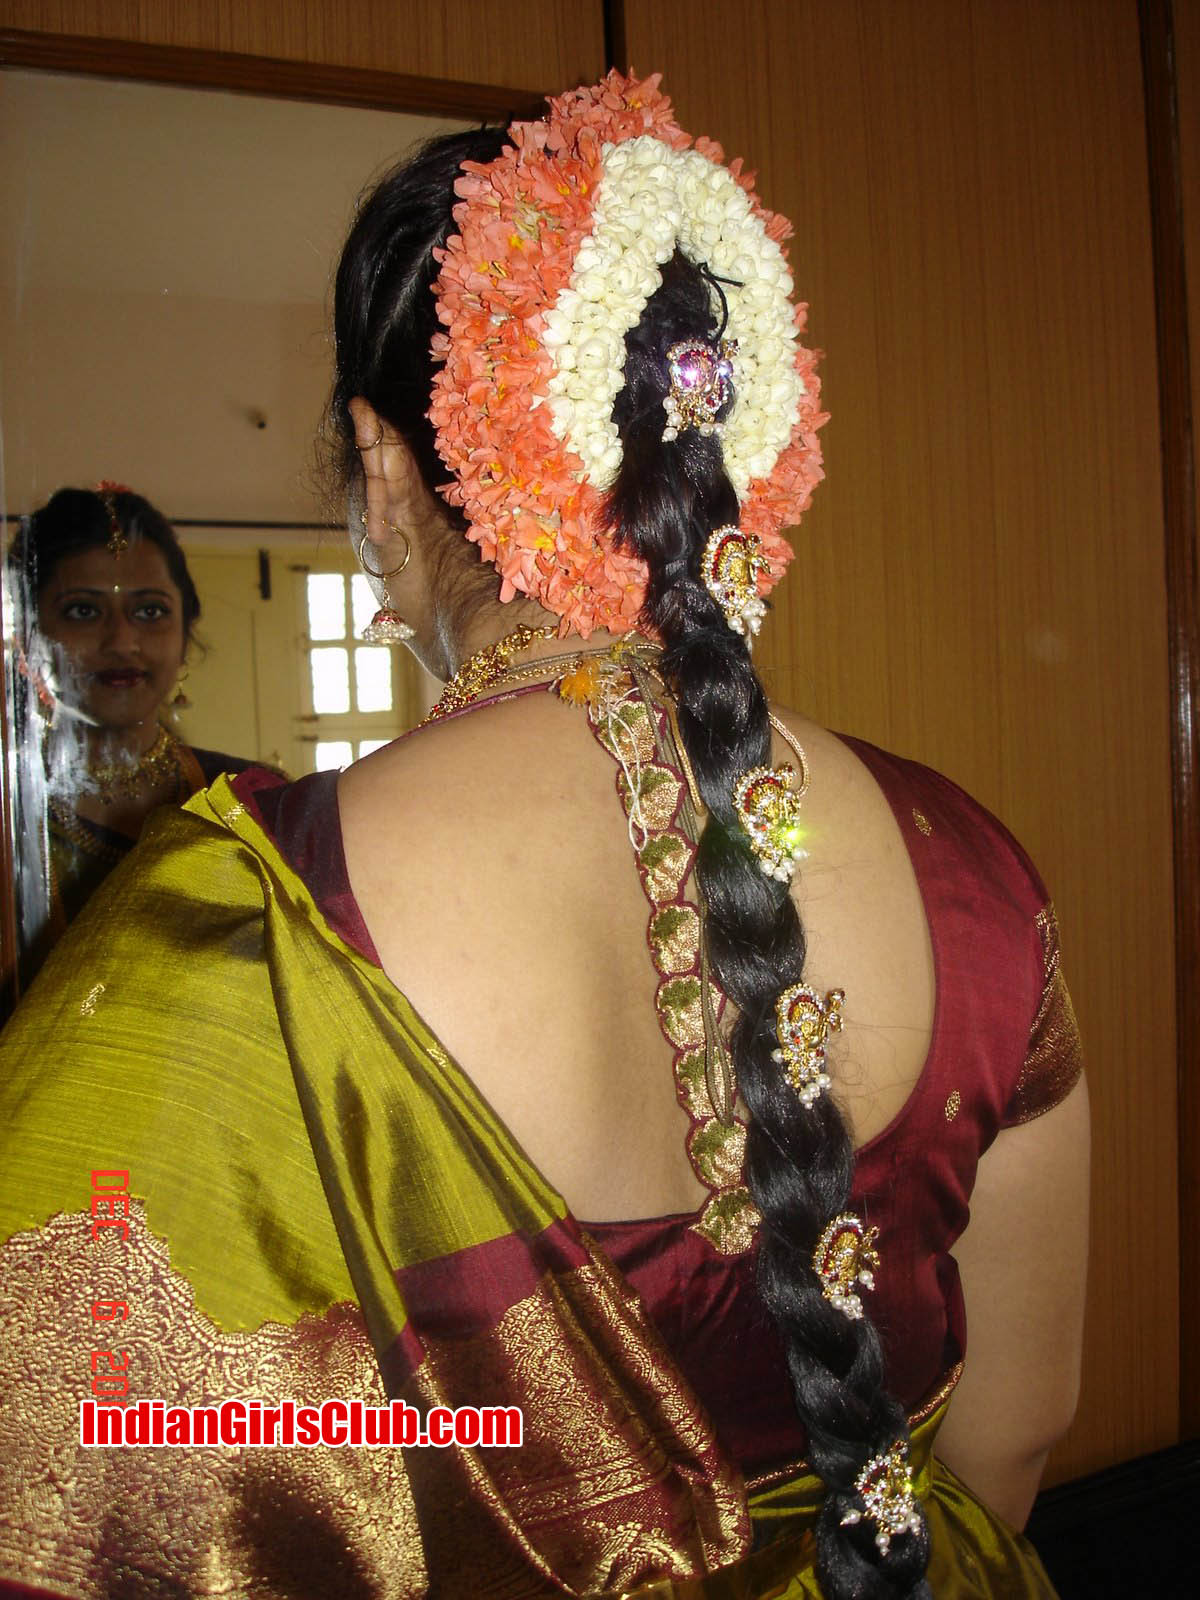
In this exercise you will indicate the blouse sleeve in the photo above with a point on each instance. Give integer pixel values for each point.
(1054, 1058)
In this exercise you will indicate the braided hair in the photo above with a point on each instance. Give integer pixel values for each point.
(668, 497)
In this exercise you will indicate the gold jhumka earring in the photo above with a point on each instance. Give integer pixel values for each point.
(387, 626)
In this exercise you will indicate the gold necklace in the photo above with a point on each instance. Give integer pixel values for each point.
(128, 779)
(483, 669)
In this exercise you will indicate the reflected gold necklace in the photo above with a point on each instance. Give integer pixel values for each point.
(127, 779)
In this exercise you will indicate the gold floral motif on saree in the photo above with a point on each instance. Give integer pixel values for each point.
(619, 1477)
(654, 795)
(257, 1523)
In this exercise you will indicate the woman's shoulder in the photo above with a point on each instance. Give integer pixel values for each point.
(946, 829)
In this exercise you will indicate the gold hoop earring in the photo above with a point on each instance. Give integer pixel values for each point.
(378, 439)
(387, 626)
(397, 532)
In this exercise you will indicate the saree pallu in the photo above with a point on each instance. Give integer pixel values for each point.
(322, 1205)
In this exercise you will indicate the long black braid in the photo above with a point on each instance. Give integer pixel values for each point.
(668, 498)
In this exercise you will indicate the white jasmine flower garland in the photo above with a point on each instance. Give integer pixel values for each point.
(651, 200)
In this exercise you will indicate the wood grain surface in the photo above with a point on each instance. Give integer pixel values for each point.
(545, 45)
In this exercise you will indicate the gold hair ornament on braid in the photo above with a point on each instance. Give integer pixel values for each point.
(889, 1499)
(803, 1023)
(730, 567)
(845, 1258)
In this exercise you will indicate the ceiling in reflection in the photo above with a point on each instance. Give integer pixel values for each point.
(165, 268)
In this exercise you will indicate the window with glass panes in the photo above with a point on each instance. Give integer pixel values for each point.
(359, 694)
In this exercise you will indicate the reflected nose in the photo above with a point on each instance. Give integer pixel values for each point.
(121, 637)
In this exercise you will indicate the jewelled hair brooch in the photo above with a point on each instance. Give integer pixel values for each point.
(730, 569)
(845, 1260)
(767, 803)
(701, 379)
(889, 1499)
(803, 1023)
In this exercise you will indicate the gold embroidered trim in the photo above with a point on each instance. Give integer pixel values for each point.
(665, 857)
(252, 1522)
(1054, 1059)
(619, 1476)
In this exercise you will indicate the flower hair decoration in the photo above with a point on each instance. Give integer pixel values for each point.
(561, 241)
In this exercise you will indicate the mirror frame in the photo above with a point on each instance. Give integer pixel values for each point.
(364, 87)
(267, 76)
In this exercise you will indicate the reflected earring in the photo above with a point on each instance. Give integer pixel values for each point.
(182, 700)
(387, 626)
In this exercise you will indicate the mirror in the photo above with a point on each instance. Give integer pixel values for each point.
(167, 266)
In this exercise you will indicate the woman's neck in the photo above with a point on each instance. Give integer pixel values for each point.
(108, 745)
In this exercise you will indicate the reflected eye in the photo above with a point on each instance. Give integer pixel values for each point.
(153, 611)
(80, 611)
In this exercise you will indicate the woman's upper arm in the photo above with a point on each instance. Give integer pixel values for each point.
(1023, 1264)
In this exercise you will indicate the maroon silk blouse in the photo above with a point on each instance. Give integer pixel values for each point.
(1004, 1049)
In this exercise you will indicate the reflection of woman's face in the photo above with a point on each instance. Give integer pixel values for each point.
(119, 623)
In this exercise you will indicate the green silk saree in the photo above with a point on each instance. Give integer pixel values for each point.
(323, 1205)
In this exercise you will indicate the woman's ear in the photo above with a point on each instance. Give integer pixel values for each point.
(390, 475)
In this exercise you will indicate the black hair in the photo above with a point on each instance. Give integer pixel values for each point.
(385, 318)
(668, 497)
(75, 520)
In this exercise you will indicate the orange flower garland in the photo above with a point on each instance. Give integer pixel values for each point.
(532, 509)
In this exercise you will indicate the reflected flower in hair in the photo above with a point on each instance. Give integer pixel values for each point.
(561, 243)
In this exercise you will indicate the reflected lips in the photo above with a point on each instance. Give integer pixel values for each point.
(125, 678)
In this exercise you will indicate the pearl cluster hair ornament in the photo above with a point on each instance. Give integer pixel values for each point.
(730, 567)
(767, 803)
(701, 379)
(845, 1259)
(889, 1499)
(561, 241)
(803, 1023)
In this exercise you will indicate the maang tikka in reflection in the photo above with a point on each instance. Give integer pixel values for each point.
(387, 626)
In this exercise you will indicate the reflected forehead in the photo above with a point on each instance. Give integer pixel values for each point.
(139, 569)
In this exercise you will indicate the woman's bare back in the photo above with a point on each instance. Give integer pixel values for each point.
(491, 861)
